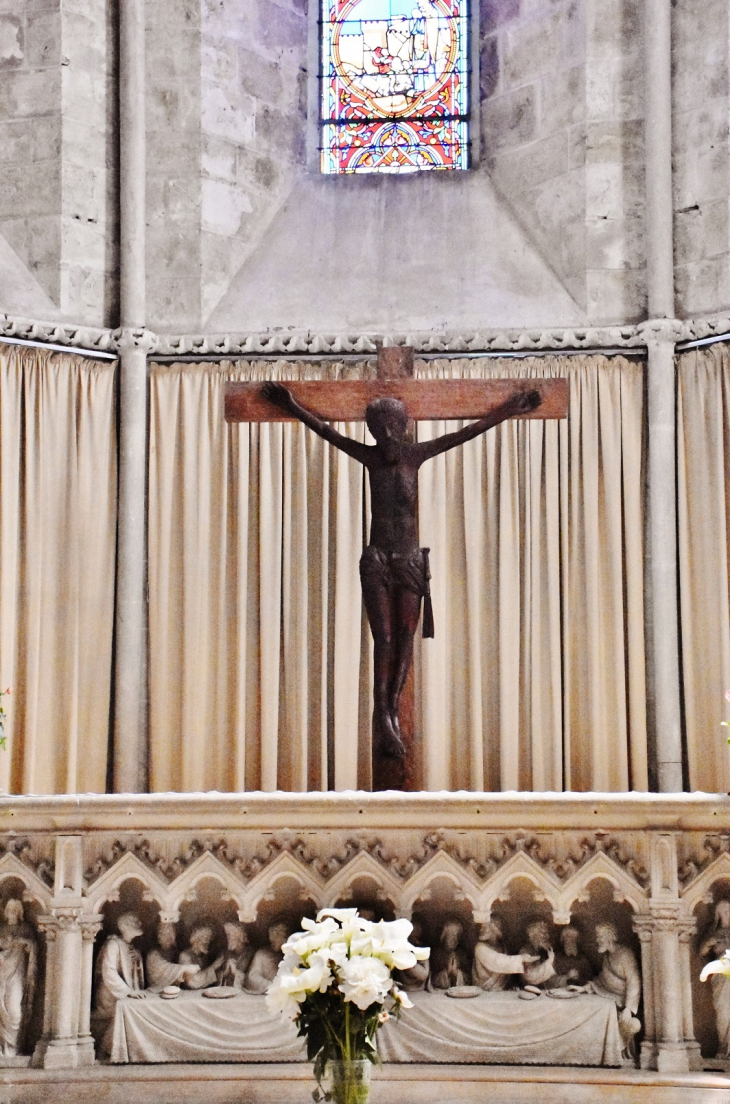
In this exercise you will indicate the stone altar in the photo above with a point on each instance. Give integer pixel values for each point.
(653, 866)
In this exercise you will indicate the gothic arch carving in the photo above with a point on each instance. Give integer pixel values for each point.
(497, 888)
(440, 865)
(205, 866)
(599, 867)
(699, 890)
(363, 865)
(262, 886)
(107, 886)
(35, 889)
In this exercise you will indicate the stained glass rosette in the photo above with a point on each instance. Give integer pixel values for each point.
(394, 85)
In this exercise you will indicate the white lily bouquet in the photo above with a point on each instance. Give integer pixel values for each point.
(335, 982)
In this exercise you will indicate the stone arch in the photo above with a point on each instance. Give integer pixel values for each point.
(699, 890)
(439, 866)
(129, 866)
(520, 866)
(35, 888)
(364, 865)
(205, 866)
(284, 867)
(600, 867)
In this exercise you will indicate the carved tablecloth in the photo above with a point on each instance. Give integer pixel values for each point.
(502, 1028)
(193, 1028)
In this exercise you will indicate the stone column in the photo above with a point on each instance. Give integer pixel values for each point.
(644, 929)
(59, 1049)
(671, 1051)
(130, 701)
(90, 927)
(685, 930)
(661, 481)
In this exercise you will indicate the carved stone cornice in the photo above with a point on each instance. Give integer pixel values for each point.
(23, 851)
(305, 343)
(57, 333)
(127, 338)
(713, 845)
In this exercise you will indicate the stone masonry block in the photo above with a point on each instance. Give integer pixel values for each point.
(229, 113)
(488, 67)
(702, 231)
(610, 245)
(562, 99)
(535, 163)
(260, 77)
(16, 141)
(165, 16)
(174, 305)
(279, 132)
(222, 205)
(703, 287)
(85, 43)
(510, 119)
(701, 128)
(83, 243)
(615, 296)
(601, 78)
(24, 93)
(620, 142)
(47, 135)
(233, 19)
(178, 151)
(614, 27)
(256, 172)
(12, 41)
(577, 139)
(15, 232)
(173, 200)
(44, 242)
(81, 292)
(630, 92)
(174, 106)
(179, 64)
(604, 191)
(29, 191)
(280, 30)
(495, 13)
(531, 48)
(83, 192)
(43, 39)
(219, 60)
(218, 157)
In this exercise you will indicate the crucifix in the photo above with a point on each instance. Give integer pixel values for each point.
(394, 569)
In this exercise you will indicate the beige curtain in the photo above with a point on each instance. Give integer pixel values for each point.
(57, 537)
(259, 651)
(704, 545)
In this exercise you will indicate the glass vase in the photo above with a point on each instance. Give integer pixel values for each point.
(350, 1081)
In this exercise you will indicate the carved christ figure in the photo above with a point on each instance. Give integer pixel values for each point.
(393, 569)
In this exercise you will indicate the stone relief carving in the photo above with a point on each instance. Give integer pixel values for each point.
(18, 972)
(714, 945)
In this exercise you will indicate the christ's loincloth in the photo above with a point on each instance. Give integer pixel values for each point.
(400, 571)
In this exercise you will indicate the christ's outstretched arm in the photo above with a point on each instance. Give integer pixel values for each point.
(521, 403)
(280, 396)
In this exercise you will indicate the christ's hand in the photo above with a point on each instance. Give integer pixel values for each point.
(277, 394)
(524, 402)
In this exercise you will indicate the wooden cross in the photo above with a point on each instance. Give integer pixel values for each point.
(425, 400)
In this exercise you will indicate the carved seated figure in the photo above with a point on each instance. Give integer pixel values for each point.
(18, 963)
(415, 980)
(492, 965)
(619, 981)
(198, 954)
(450, 960)
(119, 976)
(571, 966)
(715, 945)
(161, 963)
(540, 950)
(237, 957)
(265, 961)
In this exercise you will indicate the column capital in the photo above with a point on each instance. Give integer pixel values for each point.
(661, 331)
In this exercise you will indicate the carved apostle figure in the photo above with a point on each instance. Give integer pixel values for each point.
(450, 960)
(198, 954)
(119, 976)
(161, 963)
(394, 569)
(492, 965)
(18, 961)
(619, 981)
(237, 957)
(415, 979)
(539, 947)
(265, 962)
(571, 965)
(715, 945)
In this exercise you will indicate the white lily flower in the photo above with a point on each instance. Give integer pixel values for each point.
(402, 999)
(365, 981)
(279, 1000)
(720, 965)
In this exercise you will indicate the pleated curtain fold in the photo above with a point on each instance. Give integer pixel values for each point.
(260, 659)
(703, 438)
(57, 541)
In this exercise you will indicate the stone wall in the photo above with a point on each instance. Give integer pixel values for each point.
(701, 34)
(57, 142)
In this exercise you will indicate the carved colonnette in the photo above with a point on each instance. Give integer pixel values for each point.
(77, 873)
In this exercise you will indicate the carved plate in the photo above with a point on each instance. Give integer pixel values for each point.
(170, 992)
(562, 994)
(463, 992)
(221, 992)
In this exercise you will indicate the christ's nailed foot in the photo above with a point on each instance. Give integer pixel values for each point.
(390, 746)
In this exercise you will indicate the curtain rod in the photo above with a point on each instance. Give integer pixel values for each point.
(685, 345)
(192, 358)
(96, 353)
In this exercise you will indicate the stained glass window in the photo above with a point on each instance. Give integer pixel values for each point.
(395, 82)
